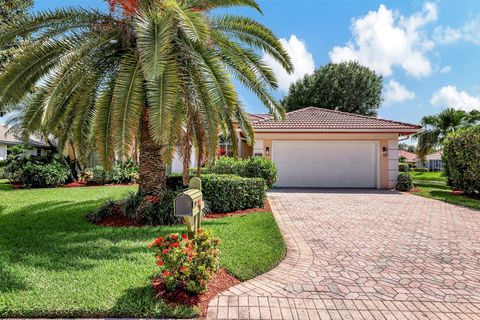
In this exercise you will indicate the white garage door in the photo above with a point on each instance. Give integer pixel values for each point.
(326, 164)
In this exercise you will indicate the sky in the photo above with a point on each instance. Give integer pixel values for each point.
(428, 52)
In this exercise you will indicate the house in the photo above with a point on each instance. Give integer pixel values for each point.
(434, 161)
(408, 157)
(315, 147)
(8, 139)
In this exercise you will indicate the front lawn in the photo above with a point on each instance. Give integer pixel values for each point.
(440, 191)
(428, 176)
(53, 263)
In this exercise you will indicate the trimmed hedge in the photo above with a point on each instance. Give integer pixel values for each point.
(226, 193)
(404, 182)
(461, 155)
(421, 169)
(253, 167)
(52, 174)
(403, 167)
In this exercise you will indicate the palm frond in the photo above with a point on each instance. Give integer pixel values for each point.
(104, 126)
(215, 4)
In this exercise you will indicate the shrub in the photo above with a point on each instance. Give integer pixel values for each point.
(152, 211)
(108, 209)
(184, 263)
(421, 169)
(253, 167)
(404, 182)
(175, 181)
(125, 173)
(260, 167)
(226, 193)
(461, 155)
(52, 174)
(403, 167)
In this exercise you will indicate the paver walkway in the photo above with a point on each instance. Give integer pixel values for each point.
(365, 255)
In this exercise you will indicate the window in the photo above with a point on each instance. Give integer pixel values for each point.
(39, 152)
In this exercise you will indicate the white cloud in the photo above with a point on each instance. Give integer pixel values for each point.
(396, 92)
(384, 39)
(302, 61)
(451, 97)
(446, 69)
(469, 32)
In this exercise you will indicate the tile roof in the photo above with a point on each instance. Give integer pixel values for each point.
(319, 119)
(410, 156)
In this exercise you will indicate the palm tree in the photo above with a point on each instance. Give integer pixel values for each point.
(437, 127)
(154, 70)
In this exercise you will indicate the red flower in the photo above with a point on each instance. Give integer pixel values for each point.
(150, 245)
(159, 263)
(183, 269)
(166, 273)
(184, 236)
(164, 251)
(174, 237)
(175, 244)
(158, 240)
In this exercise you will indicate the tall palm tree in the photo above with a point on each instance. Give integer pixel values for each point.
(154, 70)
(437, 127)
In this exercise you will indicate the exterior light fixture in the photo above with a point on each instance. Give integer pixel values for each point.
(267, 151)
(385, 151)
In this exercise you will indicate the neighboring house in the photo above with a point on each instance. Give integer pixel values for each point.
(408, 157)
(323, 148)
(434, 161)
(8, 139)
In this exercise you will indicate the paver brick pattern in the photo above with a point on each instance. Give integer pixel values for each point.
(365, 255)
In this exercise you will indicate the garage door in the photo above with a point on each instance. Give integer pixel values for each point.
(326, 164)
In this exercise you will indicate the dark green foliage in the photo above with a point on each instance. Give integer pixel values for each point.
(404, 182)
(175, 181)
(403, 167)
(35, 171)
(253, 167)
(421, 169)
(36, 175)
(158, 213)
(226, 193)
(347, 86)
(461, 154)
(121, 173)
(106, 210)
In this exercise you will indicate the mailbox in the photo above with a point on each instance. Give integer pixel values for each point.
(189, 203)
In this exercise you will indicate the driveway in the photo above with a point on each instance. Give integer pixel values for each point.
(365, 255)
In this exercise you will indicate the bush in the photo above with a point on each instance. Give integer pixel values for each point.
(253, 167)
(421, 169)
(403, 167)
(121, 173)
(35, 171)
(227, 193)
(187, 264)
(404, 182)
(461, 155)
(44, 175)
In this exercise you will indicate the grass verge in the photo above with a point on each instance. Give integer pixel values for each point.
(53, 263)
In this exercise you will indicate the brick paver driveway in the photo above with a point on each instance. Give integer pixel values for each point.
(365, 255)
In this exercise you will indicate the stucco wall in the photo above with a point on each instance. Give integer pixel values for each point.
(388, 161)
(3, 152)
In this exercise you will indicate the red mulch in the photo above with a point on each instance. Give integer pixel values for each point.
(266, 208)
(77, 184)
(220, 282)
(415, 189)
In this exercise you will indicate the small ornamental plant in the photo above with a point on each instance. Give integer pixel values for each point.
(186, 263)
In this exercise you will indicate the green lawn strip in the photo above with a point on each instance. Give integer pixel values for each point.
(55, 264)
(440, 191)
(428, 176)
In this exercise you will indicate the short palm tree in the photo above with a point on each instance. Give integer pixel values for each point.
(437, 127)
(154, 70)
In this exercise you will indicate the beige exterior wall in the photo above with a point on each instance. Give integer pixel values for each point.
(387, 142)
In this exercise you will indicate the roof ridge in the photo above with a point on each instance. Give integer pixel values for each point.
(355, 115)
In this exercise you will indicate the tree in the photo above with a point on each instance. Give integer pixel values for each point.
(11, 10)
(149, 70)
(437, 127)
(347, 86)
(407, 147)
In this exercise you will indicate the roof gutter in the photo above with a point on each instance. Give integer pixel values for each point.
(399, 131)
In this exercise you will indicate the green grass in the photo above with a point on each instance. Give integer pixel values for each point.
(428, 176)
(440, 191)
(55, 264)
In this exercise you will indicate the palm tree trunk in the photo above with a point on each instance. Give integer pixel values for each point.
(152, 169)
